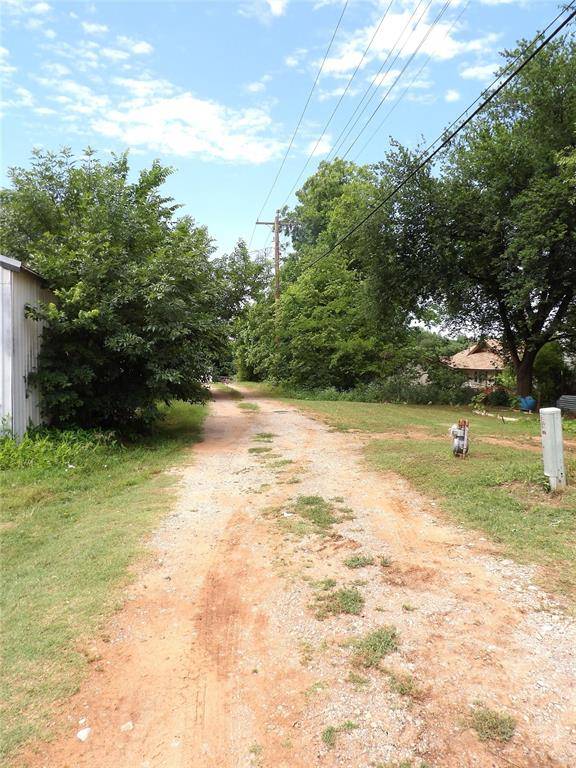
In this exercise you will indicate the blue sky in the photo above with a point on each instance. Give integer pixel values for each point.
(214, 88)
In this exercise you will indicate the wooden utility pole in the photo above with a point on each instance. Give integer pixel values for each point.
(276, 224)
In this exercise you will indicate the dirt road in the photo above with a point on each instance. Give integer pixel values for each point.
(218, 658)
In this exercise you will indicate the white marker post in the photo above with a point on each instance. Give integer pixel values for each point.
(553, 447)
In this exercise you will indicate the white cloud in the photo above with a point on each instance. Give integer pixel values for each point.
(483, 72)
(50, 34)
(154, 115)
(114, 54)
(94, 29)
(324, 146)
(277, 7)
(56, 69)
(452, 95)
(134, 46)
(40, 8)
(5, 67)
(295, 58)
(437, 40)
(256, 87)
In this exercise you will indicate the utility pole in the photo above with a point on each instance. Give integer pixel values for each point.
(276, 224)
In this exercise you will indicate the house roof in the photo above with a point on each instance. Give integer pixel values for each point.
(485, 355)
(16, 266)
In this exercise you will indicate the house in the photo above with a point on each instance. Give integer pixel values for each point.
(20, 339)
(480, 363)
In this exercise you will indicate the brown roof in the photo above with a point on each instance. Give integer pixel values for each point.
(483, 356)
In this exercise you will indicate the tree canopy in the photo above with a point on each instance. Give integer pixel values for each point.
(136, 316)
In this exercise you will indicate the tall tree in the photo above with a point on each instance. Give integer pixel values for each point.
(136, 315)
(508, 252)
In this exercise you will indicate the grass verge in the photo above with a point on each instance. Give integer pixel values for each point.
(70, 529)
(500, 489)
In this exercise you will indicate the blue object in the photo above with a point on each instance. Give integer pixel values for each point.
(527, 403)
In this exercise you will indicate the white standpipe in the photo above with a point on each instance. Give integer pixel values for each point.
(553, 447)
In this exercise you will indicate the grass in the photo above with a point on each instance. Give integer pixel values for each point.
(248, 406)
(499, 489)
(358, 561)
(259, 449)
(264, 437)
(337, 601)
(374, 646)
(330, 734)
(70, 530)
(403, 684)
(307, 515)
(491, 725)
(358, 681)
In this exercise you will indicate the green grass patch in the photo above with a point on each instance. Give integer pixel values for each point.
(403, 684)
(358, 681)
(71, 526)
(245, 406)
(358, 561)
(491, 725)
(330, 734)
(259, 449)
(264, 437)
(374, 646)
(337, 601)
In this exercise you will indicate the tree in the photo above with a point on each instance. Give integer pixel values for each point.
(508, 253)
(491, 235)
(135, 319)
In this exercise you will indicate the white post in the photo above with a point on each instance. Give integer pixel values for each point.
(553, 447)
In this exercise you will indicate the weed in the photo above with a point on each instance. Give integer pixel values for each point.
(325, 584)
(358, 561)
(408, 607)
(491, 725)
(315, 688)
(371, 649)
(263, 437)
(338, 499)
(316, 510)
(259, 449)
(384, 561)
(358, 681)
(255, 749)
(403, 684)
(360, 582)
(281, 463)
(344, 600)
(248, 406)
(330, 734)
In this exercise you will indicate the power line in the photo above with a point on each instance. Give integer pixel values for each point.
(299, 120)
(342, 95)
(399, 75)
(343, 135)
(410, 84)
(448, 138)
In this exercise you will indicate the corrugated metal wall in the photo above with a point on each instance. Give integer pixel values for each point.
(20, 352)
(6, 347)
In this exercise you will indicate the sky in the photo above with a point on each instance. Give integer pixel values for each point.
(215, 88)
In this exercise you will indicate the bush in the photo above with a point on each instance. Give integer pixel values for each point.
(394, 389)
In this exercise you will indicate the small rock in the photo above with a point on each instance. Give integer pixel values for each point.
(84, 734)
(127, 726)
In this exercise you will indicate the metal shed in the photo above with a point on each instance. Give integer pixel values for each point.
(20, 339)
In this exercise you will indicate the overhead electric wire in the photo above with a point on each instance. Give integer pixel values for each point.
(343, 135)
(299, 120)
(342, 95)
(491, 96)
(411, 83)
(399, 75)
